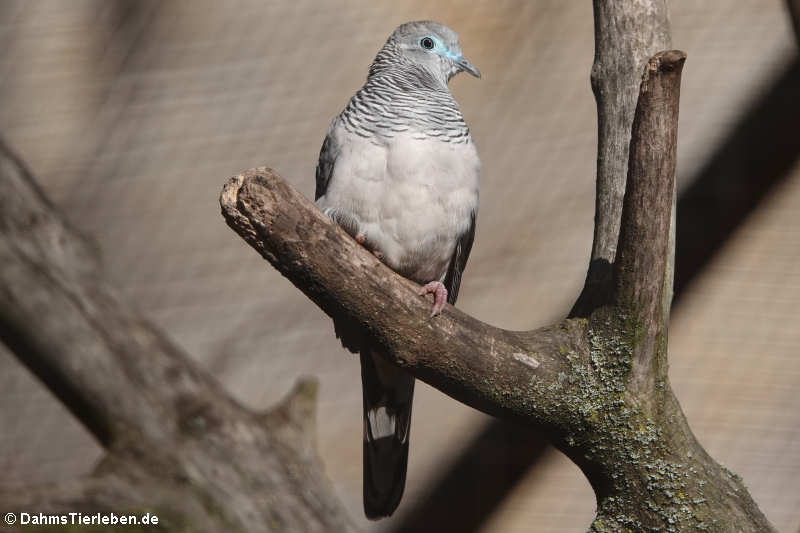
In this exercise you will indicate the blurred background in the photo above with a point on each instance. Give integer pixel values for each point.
(133, 114)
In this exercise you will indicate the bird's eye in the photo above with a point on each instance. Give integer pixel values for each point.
(426, 43)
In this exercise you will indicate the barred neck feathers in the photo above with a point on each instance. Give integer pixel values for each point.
(400, 96)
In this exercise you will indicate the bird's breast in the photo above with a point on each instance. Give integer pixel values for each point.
(412, 198)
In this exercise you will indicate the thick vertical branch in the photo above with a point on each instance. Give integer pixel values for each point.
(627, 34)
(648, 470)
(644, 241)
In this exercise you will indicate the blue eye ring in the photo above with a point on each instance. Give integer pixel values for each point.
(427, 43)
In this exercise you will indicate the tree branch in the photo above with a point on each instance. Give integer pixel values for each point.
(107, 364)
(627, 33)
(178, 444)
(473, 362)
(644, 241)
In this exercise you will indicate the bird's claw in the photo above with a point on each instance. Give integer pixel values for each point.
(439, 292)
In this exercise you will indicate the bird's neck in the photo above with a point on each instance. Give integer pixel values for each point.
(390, 62)
(394, 103)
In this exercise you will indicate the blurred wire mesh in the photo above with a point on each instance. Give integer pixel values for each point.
(132, 114)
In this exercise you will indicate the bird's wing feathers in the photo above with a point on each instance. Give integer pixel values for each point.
(452, 280)
(327, 160)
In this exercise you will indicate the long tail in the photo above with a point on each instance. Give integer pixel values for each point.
(388, 395)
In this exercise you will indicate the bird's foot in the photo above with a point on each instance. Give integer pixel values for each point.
(439, 292)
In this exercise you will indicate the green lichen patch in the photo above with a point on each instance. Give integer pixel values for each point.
(645, 488)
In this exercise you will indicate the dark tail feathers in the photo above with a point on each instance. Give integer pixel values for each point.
(388, 395)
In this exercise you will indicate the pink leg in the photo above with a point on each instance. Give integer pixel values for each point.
(439, 292)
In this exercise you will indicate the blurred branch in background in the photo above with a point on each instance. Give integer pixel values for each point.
(177, 444)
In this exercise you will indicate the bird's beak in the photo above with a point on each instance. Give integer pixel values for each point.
(465, 66)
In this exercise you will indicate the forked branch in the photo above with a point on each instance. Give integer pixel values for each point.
(594, 385)
(474, 362)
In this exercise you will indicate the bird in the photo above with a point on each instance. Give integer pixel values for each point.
(398, 171)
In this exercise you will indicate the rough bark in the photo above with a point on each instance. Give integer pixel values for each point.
(626, 34)
(596, 386)
(178, 445)
(645, 240)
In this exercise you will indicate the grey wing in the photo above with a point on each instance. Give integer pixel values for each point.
(350, 335)
(327, 159)
(325, 167)
(452, 280)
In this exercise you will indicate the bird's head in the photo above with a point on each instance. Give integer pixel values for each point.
(433, 46)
